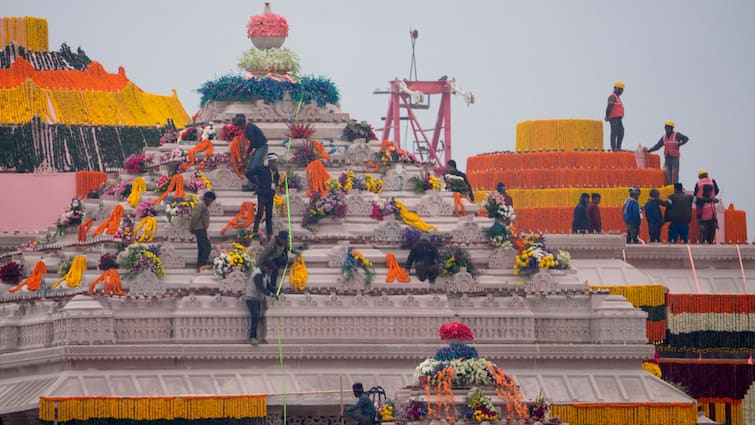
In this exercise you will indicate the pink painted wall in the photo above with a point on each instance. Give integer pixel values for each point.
(29, 202)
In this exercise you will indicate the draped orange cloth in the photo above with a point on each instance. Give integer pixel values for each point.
(317, 177)
(176, 185)
(246, 213)
(84, 229)
(113, 222)
(203, 146)
(394, 270)
(112, 280)
(33, 282)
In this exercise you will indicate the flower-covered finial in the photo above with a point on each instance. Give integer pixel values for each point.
(455, 331)
(267, 30)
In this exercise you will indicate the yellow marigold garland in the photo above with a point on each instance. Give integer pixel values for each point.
(638, 295)
(627, 413)
(297, 275)
(137, 187)
(412, 219)
(372, 185)
(75, 273)
(146, 229)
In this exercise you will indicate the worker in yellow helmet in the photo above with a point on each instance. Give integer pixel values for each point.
(671, 141)
(614, 115)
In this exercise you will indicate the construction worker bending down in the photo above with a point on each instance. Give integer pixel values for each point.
(671, 141)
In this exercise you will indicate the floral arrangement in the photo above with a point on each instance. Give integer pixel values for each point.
(304, 154)
(390, 153)
(372, 185)
(198, 182)
(456, 351)
(121, 190)
(467, 371)
(386, 209)
(189, 133)
(455, 331)
(454, 258)
(332, 204)
(237, 88)
(216, 160)
(294, 180)
(179, 207)
(235, 259)
(386, 410)
(355, 261)
(170, 136)
(300, 130)
(125, 231)
(11, 272)
(497, 208)
(358, 130)
(542, 405)
(499, 235)
(533, 256)
(145, 209)
(413, 410)
(426, 182)
(349, 180)
(137, 163)
(277, 59)
(479, 407)
(107, 262)
(138, 258)
(456, 184)
(162, 183)
(229, 132)
(73, 215)
(267, 25)
(175, 155)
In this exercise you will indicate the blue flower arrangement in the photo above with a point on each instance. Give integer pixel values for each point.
(235, 87)
(456, 351)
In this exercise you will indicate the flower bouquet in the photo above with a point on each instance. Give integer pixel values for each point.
(385, 210)
(121, 190)
(73, 215)
(358, 130)
(234, 259)
(386, 410)
(125, 232)
(390, 153)
(356, 261)
(497, 208)
(456, 184)
(454, 258)
(333, 204)
(170, 136)
(499, 235)
(190, 133)
(145, 209)
(479, 407)
(138, 258)
(542, 406)
(11, 272)
(413, 410)
(455, 331)
(137, 163)
(107, 262)
(304, 154)
(348, 180)
(198, 182)
(426, 182)
(533, 256)
(373, 185)
(179, 207)
(229, 132)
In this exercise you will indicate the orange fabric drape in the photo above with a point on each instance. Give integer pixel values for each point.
(246, 213)
(84, 229)
(87, 181)
(317, 177)
(33, 282)
(203, 146)
(394, 270)
(112, 223)
(112, 280)
(176, 185)
(320, 150)
(238, 147)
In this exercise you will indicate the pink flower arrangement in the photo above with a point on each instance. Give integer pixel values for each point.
(455, 330)
(267, 25)
(137, 164)
(378, 211)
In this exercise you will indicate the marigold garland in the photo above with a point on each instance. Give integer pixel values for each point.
(25, 31)
(238, 147)
(176, 186)
(395, 271)
(653, 295)
(320, 150)
(75, 273)
(412, 219)
(84, 229)
(317, 177)
(445, 407)
(112, 223)
(146, 229)
(137, 187)
(246, 213)
(203, 146)
(627, 413)
(297, 275)
(372, 185)
(459, 210)
(112, 280)
(34, 281)
(87, 181)
(509, 392)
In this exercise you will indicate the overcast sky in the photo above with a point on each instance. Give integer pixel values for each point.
(689, 61)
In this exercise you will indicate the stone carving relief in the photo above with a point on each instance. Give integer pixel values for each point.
(359, 301)
(308, 301)
(384, 301)
(234, 282)
(490, 302)
(410, 302)
(358, 154)
(170, 257)
(542, 281)
(394, 179)
(337, 255)
(467, 231)
(216, 208)
(516, 302)
(334, 301)
(437, 301)
(145, 285)
(358, 205)
(462, 281)
(178, 230)
(296, 204)
(502, 258)
(432, 205)
(388, 230)
(226, 179)
(286, 108)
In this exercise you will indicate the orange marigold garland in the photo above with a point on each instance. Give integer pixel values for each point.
(33, 282)
(112, 280)
(459, 210)
(203, 146)
(320, 150)
(176, 186)
(84, 229)
(317, 177)
(246, 213)
(238, 147)
(112, 223)
(508, 391)
(395, 271)
(445, 407)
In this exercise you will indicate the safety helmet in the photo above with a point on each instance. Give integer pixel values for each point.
(619, 84)
(702, 173)
(669, 123)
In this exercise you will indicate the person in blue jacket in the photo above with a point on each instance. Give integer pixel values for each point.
(363, 411)
(653, 215)
(632, 215)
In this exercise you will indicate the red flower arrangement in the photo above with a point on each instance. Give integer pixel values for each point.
(455, 330)
(267, 25)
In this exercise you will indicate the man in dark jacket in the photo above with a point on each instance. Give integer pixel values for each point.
(267, 181)
(276, 251)
(363, 411)
(632, 215)
(427, 257)
(257, 288)
(654, 216)
(594, 222)
(501, 189)
(451, 170)
(679, 213)
(580, 223)
(257, 144)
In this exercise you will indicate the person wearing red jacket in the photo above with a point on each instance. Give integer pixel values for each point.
(615, 114)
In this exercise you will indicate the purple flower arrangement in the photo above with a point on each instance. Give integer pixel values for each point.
(333, 204)
(137, 164)
(121, 190)
(195, 183)
(145, 209)
(413, 410)
(139, 258)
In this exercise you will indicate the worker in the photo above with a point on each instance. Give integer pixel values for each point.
(614, 115)
(671, 141)
(702, 180)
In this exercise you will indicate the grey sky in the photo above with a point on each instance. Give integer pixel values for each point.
(689, 61)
